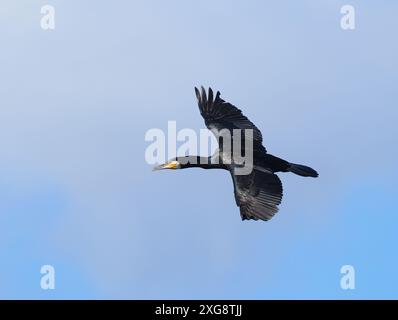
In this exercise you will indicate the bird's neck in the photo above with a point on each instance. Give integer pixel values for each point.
(198, 162)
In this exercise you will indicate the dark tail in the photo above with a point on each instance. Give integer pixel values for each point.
(303, 171)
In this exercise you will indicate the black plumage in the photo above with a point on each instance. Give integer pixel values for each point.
(258, 193)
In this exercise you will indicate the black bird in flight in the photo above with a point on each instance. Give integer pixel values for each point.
(258, 193)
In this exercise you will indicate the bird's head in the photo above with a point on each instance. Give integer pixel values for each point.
(171, 164)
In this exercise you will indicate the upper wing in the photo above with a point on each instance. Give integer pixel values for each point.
(257, 194)
(219, 115)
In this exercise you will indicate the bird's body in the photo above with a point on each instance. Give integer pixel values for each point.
(259, 191)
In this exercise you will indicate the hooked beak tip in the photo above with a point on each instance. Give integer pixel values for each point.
(157, 168)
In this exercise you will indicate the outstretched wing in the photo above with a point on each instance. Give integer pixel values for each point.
(257, 194)
(220, 115)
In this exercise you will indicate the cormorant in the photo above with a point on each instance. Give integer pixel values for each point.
(258, 193)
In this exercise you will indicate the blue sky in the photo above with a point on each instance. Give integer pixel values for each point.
(76, 192)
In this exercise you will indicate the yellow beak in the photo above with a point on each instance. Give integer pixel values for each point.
(170, 165)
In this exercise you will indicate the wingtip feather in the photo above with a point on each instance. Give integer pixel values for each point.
(210, 95)
(197, 93)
